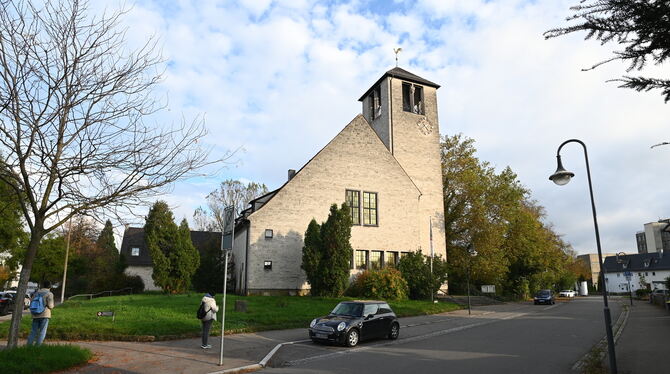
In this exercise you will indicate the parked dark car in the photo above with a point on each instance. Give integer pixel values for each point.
(6, 303)
(544, 297)
(354, 321)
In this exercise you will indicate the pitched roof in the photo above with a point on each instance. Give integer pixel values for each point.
(134, 237)
(403, 74)
(637, 262)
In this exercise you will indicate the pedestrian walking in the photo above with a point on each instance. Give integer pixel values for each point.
(207, 315)
(40, 308)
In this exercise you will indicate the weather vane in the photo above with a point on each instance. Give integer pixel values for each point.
(396, 51)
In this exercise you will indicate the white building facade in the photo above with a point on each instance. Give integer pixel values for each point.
(646, 270)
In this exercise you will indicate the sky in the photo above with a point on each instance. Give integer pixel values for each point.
(277, 80)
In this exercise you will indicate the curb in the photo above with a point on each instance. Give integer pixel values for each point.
(618, 329)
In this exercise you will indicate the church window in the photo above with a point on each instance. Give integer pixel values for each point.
(353, 199)
(412, 98)
(135, 251)
(267, 265)
(361, 259)
(370, 208)
(391, 259)
(375, 260)
(375, 102)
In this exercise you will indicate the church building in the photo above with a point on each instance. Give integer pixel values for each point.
(385, 164)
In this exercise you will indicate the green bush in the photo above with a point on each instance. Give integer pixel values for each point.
(386, 284)
(415, 268)
(45, 358)
(642, 292)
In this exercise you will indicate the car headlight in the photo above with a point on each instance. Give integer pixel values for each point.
(341, 326)
(311, 324)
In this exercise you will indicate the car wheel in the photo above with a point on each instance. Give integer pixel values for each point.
(553, 302)
(395, 331)
(352, 338)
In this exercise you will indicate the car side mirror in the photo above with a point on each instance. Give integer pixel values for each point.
(369, 316)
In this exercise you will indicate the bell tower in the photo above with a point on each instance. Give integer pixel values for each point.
(401, 107)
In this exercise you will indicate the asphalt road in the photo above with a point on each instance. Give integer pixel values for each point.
(517, 338)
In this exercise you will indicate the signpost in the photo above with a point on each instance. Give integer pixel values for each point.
(106, 314)
(488, 288)
(628, 276)
(228, 228)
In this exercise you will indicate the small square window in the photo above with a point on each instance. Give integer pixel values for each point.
(267, 265)
(268, 233)
(135, 251)
(653, 273)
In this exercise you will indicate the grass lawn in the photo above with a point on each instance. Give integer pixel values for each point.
(162, 317)
(46, 358)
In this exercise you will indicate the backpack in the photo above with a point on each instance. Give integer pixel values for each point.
(37, 304)
(201, 311)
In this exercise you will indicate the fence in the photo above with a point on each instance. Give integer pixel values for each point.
(123, 291)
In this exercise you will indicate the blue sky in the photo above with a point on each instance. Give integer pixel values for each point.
(278, 79)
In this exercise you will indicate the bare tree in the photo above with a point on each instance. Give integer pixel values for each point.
(230, 193)
(73, 105)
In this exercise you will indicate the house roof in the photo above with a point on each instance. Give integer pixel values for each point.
(637, 262)
(403, 74)
(134, 237)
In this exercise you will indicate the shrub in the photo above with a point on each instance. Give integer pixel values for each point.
(415, 268)
(387, 284)
(642, 292)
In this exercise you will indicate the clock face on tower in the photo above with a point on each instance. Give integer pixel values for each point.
(425, 126)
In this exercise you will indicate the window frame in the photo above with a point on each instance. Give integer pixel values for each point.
(376, 209)
(351, 207)
(267, 265)
(381, 260)
(375, 106)
(365, 259)
(408, 102)
(134, 253)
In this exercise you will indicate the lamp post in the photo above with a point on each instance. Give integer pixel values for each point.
(471, 253)
(562, 177)
(621, 260)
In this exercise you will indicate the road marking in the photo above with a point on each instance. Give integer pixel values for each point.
(402, 341)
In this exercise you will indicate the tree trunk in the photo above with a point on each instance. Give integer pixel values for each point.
(31, 252)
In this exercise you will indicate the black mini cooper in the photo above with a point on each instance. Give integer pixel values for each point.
(353, 321)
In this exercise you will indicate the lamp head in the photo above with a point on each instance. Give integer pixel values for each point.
(561, 176)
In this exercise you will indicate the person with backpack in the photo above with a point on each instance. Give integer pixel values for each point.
(40, 308)
(207, 315)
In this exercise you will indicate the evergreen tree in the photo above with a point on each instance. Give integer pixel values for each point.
(641, 27)
(172, 252)
(336, 252)
(209, 275)
(311, 256)
(107, 244)
(327, 253)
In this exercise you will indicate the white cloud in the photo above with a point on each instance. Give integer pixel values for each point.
(282, 78)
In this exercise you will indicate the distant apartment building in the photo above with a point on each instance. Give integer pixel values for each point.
(592, 263)
(655, 237)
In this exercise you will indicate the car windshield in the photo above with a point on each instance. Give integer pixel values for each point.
(348, 309)
(543, 293)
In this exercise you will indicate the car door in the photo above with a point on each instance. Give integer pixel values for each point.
(371, 321)
(385, 318)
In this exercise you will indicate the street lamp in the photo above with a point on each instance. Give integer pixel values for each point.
(562, 177)
(471, 253)
(620, 260)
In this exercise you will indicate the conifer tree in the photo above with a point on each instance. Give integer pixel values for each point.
(172, 252)
(641, 27)
(336, 252)
(311, 256)
(107, 245)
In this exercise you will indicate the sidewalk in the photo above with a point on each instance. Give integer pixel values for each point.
(186, 356)
(643, 345)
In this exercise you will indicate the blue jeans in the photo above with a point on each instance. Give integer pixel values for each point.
(38, 331)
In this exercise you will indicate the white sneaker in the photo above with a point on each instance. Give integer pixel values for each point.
(206, 346)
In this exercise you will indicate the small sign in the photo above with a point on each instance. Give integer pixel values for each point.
(488, 288)
(106, 314)
(628, 277)
(628, 273)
